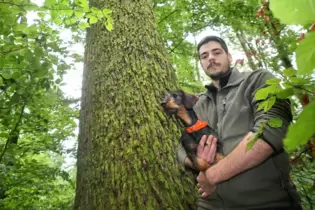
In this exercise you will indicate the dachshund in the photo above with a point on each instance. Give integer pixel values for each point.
(180, 104)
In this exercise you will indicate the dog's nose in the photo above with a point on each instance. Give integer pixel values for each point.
(163, 104)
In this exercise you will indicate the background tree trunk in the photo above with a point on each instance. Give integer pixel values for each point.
(126, 156)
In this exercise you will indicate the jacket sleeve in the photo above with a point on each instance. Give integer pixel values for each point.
(281, 109)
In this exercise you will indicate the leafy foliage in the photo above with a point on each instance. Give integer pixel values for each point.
(35, 117)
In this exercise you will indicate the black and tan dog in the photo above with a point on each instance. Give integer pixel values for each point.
(181, 104)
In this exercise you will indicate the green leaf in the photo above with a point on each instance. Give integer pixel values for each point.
(78, 14)
(58, 81)
(261, 105)
(269, 103)
(4, 135)
(48, 3)
(41, 14)
(305, 54)
(289, 72)
(273, 81)
(16, 75)
(93, 20)
(1, 81)
(263, 93)
(54, 14)
(107, 11)
(6, 74)
(303, 129)
(252, 140)
(293, 11)
(15, 98)
(275, 123)
(84, 25)
(108, 26)
(250, 145)
(285, 93)
(299, 81)
(58, 21)
(20, 27)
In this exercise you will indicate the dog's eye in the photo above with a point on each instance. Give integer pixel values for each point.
(174, 95)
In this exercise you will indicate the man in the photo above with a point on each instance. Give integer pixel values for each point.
(243, 180)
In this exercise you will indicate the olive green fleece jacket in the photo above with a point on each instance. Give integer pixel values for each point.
(232, 112)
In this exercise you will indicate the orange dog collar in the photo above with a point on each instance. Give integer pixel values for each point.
(197, 126)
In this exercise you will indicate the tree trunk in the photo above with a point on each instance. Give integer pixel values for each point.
(126, 157)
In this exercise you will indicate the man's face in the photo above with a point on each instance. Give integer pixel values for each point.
(214, 60)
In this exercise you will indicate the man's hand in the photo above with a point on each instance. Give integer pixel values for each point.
(204, 186)
(207, 148)
(206, 151)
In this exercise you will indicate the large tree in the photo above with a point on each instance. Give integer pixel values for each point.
(126, 157)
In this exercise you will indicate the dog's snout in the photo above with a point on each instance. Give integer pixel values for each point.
(163, 104)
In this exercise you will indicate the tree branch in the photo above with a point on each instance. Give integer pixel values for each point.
(164, 18)
(242, 41)
(11, 50)
(14, 134)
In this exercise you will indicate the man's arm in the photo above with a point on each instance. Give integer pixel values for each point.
(239, 160)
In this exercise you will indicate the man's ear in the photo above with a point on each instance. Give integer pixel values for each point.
(230, 58)
(189, 100)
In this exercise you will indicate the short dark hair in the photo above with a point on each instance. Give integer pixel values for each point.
(212, 39)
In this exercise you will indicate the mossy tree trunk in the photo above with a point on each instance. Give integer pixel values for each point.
(126, 157)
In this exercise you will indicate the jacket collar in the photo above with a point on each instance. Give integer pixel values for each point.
(234, 78)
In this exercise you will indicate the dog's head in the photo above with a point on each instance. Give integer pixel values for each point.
(175, 100)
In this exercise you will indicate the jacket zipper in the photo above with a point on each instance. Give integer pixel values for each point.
(224, 104)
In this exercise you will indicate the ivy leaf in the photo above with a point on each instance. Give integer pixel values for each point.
(294, 12)
(303, 129)
(275, 123)
(305, 54)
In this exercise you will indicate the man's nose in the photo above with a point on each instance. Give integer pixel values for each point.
(211, 56)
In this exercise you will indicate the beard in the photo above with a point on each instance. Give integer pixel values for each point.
(217, 75)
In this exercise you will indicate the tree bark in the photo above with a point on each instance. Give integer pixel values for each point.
(126, 157)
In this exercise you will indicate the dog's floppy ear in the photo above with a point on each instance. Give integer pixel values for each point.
(189, 100)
